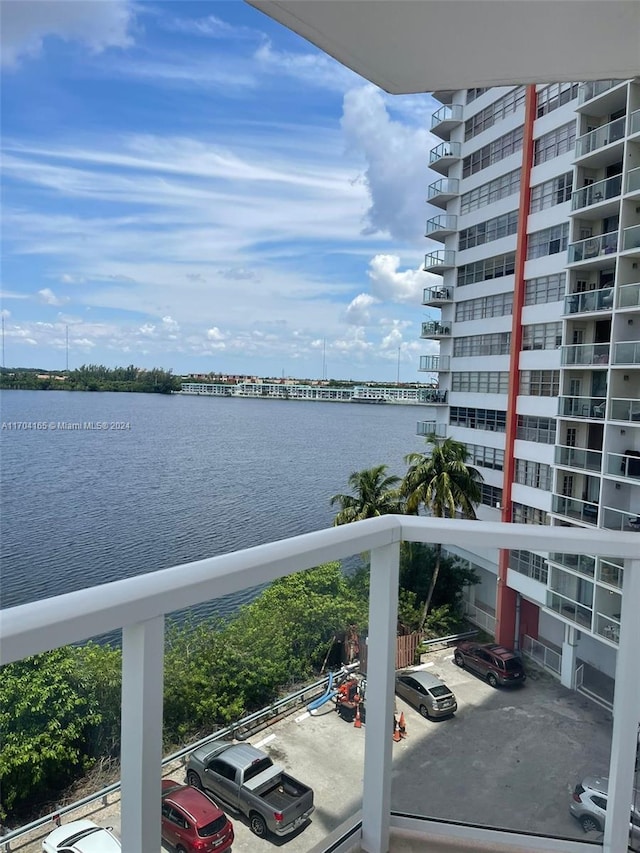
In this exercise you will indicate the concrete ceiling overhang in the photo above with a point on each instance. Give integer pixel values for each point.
(407, 46)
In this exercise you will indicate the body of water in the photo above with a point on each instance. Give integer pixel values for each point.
(185, 478)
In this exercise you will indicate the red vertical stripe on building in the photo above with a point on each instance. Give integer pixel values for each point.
(506, 598)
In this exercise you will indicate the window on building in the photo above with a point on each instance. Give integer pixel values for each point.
(501, 187)
(555, 191)
(523, 514)
(472, 94)
(532, 565)
(494, 152)
(542, 336)
(496, 111)
(497, 343)
(549, 241)
(498, 305)
(554, 96)
(485, 457)
(493, 420)
(546, 288)
(486, 232)
(540, 383)
(538, 429)
(553, 144)
(481, 381)
(489, 268)
(490, 495)
(534, 474)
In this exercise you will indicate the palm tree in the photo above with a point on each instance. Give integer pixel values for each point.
(444, 484)
(374, 494)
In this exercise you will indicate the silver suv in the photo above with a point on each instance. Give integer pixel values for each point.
(589, 805)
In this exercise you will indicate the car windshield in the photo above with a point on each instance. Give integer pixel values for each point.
(212, 828)
(257, 767)
(440, 690)
(512, 664)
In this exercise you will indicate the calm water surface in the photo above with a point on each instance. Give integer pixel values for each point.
(193, 477)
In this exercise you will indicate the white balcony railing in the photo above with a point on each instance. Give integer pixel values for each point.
(601, 136)
(138, 606)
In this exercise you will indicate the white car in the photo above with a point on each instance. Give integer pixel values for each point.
(81, 836)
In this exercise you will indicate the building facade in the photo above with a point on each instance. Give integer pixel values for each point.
(537, 313)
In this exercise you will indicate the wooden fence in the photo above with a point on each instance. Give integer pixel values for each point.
(406, 646)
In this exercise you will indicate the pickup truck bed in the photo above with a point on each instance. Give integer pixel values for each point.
(282, 794)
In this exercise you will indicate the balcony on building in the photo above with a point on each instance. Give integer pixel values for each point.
(443, 156)
(629, 295)
(595, 89)
(427, 428)
(592, 408)
(578, 458)
(440, 192)
(436, 296)
(433, 329)
(569, 609)
(584, 564)
(433, 396)
(439, 227)
(444, 120)
(445, 96)
(626, 353)
(625, 409)
(439, 261)
(633, 180)
(595, 195)
(434, 363)
(595, 147)
(608, 627)
(614, 518)
(576, 510)
(625, 465)
(592, 300)
(594, 249)
(631, 241)
(585, 354)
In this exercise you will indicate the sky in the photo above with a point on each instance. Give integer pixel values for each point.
(193, 187)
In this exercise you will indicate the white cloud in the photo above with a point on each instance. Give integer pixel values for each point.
(358, 313)
(210, 27)
(169, 324)
(4, 312)
(396, 165)
(98, 25)
(215, 334)
(313, 69)
(47, 296)
(391, 284)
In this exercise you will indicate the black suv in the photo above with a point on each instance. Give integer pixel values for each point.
(495, 663)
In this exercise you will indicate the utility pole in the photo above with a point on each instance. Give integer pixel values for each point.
(398, 376)
(67, 361)
(324, 358)
(3, 364)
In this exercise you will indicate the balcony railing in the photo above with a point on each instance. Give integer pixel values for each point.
(440, 226)
(608, 627)
(610, 572)
(442, 191)
(585, 353)
(138, 606)
(429, 363)
(581, 407)
(446, 118)
(631, 238)
(427, 428)
(569, 609)
(601, 136)
(443, 155)
(629, 296)
(634, 122)
(579, 458)
(595, 193)
(593, 247)
(633, 180)
(581, 563)
(592, 300)
(624, 464)
(433, 395)
(625, 409)
(573, 508)
(432, 329)
(626, 352)
(436, 295)
(591, 90)
(439, 261)
(614, 518)
(544, 655)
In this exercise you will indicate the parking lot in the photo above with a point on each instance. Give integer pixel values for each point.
(508, 758)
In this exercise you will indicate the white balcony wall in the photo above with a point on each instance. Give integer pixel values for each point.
(546, 265)
(555, 166)
(496, 208)
(545, 407)
(541, 313)
(534, 450)
(557, 118)
(530, 588)
(487, 250)
(550, 216)
(531, 497)
(484, 326)
(513, 161)
(482, 401)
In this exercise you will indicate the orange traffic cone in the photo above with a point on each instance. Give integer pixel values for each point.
(402, 726)
(357, 723)
(396, 730)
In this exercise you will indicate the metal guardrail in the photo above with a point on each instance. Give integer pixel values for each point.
(240, 730)
(453, 638)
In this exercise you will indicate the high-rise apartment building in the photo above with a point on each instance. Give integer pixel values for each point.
(537, 315)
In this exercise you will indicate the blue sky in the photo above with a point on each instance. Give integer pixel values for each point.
(191, 186)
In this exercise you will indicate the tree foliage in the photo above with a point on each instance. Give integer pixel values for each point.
(92, 377)
(375, 493)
